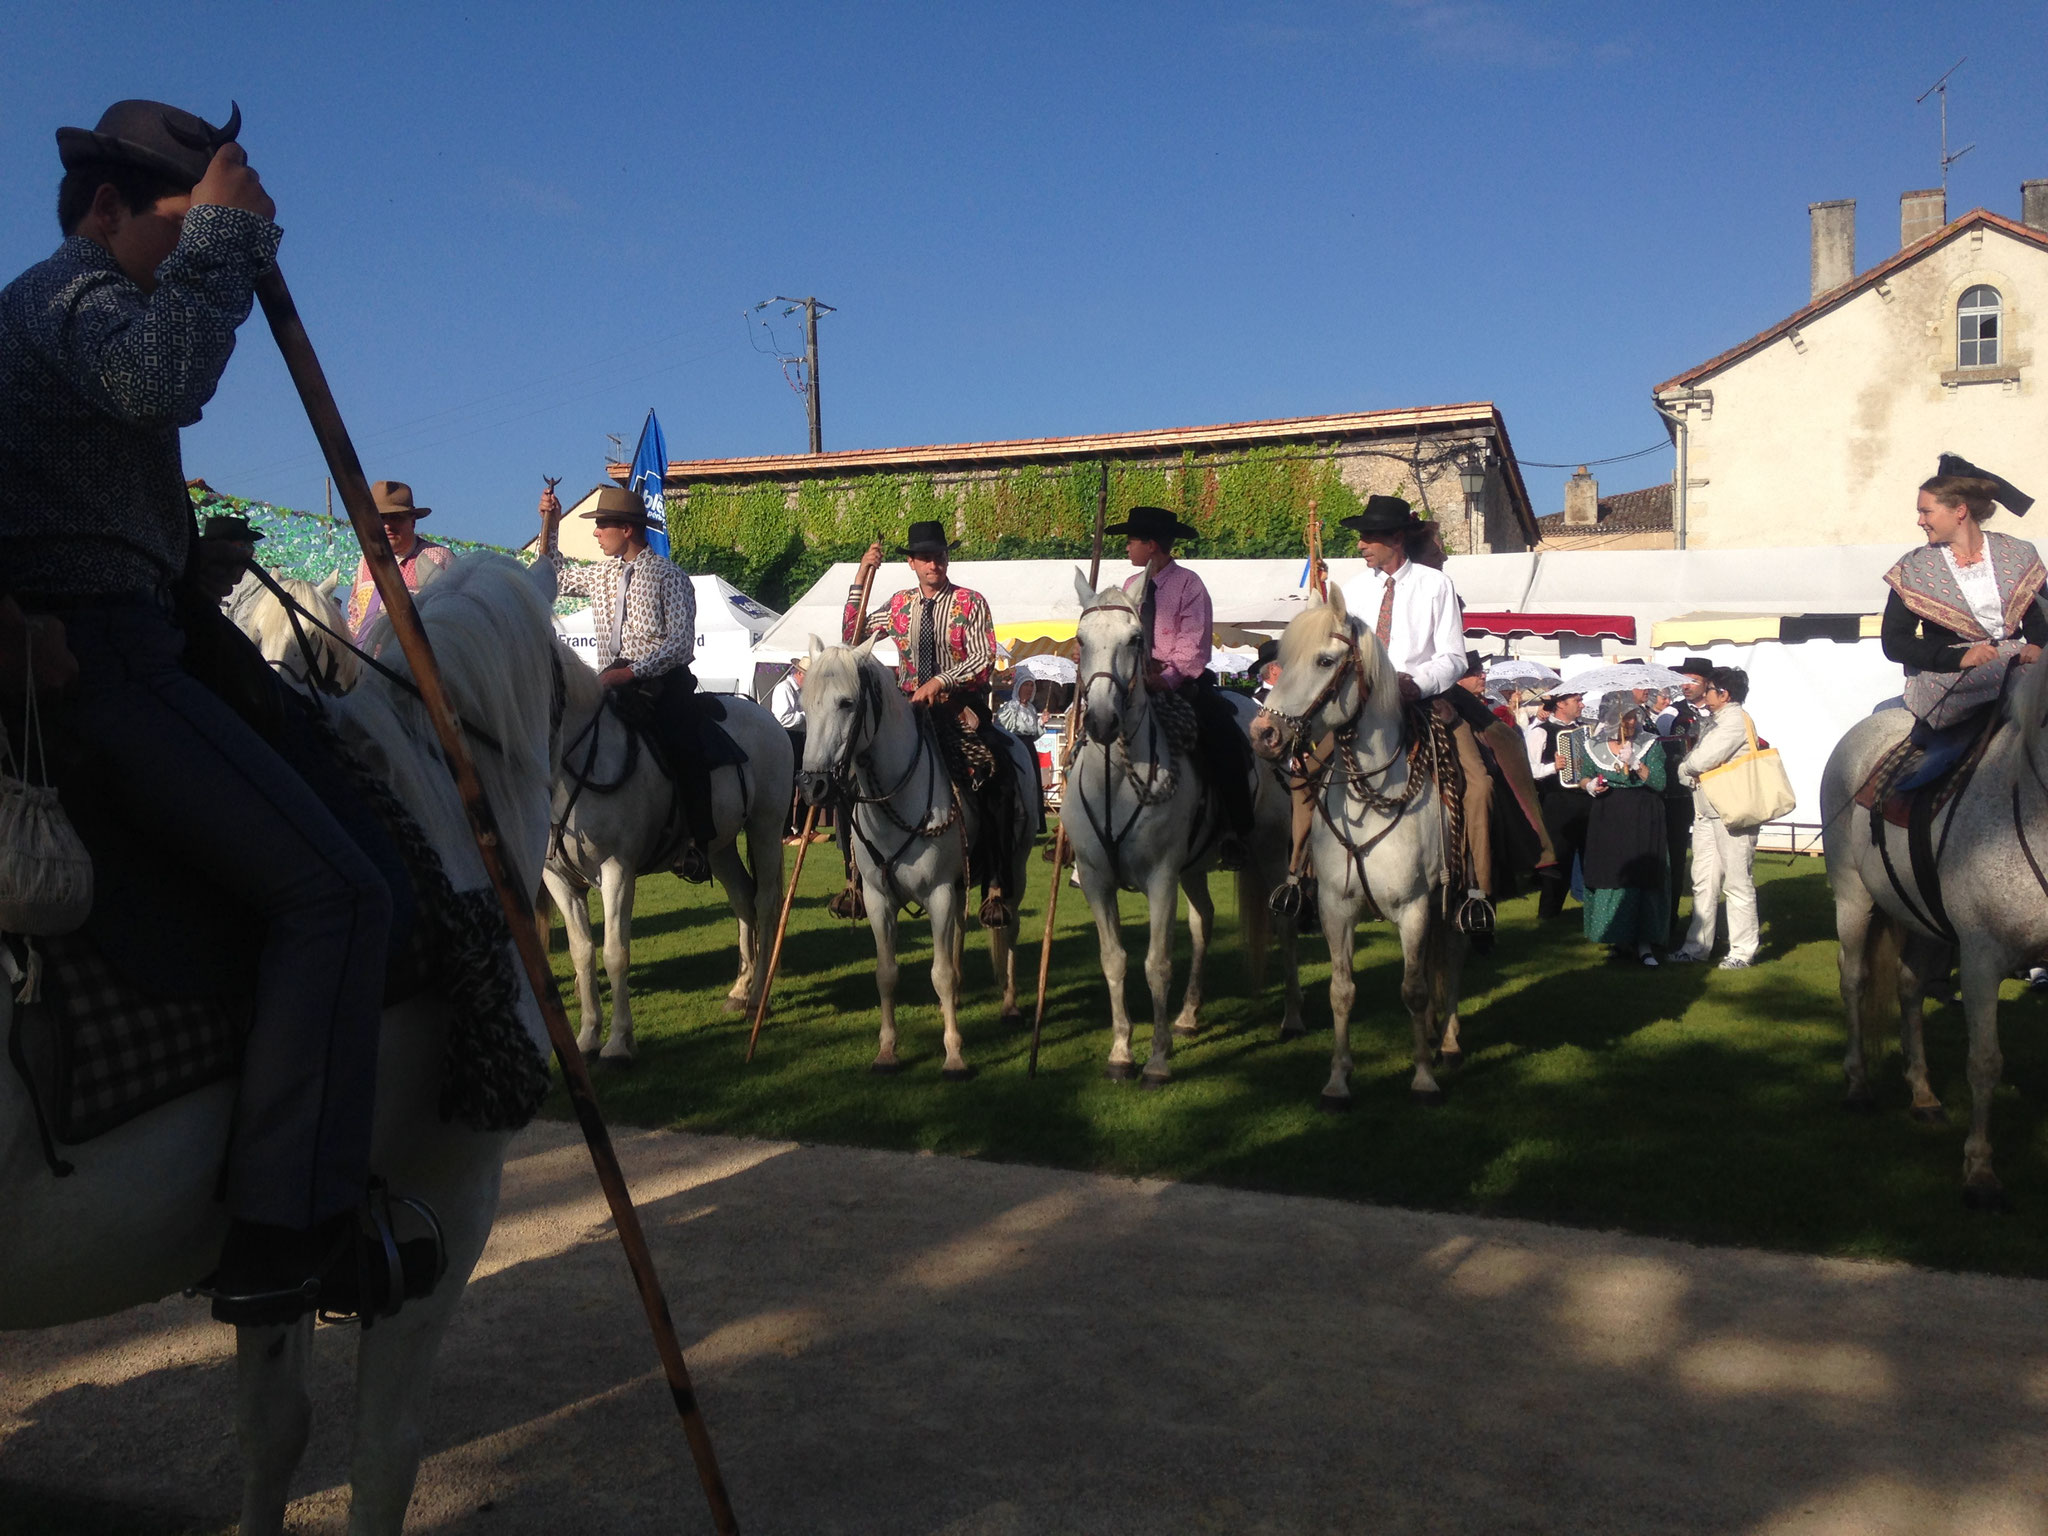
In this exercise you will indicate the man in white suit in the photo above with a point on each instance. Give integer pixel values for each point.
(1722, 861)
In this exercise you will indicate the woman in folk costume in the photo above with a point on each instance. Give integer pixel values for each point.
(420, 559)
(1963, 614)
(1628, 891)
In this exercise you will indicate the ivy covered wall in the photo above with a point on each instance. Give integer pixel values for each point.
(773, 539)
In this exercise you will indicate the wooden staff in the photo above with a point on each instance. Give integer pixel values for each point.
(1318, 573)
(347, 469)
(860, 606)
(1301, 806)
(1059, 841)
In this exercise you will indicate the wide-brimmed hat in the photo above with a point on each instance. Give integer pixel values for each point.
(1698, 666)
(925, 540)
(1154, 523)
(173, 143)
(1383, 514)
(236, 529)
(615, 501)
(394, 499)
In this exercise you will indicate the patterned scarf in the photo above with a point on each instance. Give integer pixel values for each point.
(1929, 588)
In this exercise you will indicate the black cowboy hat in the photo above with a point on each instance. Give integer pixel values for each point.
(1383, 514)
(925, 540)
(1697, 666)
(2007, 495)
(1475, 665)
(1155, 523)
(236, 529)
(169, 141)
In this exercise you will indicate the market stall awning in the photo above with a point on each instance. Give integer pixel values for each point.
(1621, 626)
(1748, 628)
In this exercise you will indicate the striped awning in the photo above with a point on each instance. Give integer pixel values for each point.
(1749, 628)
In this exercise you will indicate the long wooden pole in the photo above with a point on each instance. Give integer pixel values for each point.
(1059, 841)
(781, 927)
(517, 902)
(860, 606)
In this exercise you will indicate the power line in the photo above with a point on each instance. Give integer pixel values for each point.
(1589, 463)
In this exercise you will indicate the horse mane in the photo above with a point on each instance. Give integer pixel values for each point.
(276, 638)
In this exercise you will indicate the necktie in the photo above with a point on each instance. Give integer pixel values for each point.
(1148, 611)
(927, 640)
(1383, 626)
(619, 613)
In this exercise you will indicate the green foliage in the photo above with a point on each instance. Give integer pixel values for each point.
(305, 545)
(774, 540)
(1685, 1101)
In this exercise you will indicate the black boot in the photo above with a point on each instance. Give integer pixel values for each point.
(350, 1267)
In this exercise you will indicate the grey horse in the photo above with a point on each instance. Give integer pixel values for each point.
(1992, 852)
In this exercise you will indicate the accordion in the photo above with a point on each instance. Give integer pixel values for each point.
(1570, 744)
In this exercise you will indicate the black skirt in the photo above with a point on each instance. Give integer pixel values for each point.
(1625, 841)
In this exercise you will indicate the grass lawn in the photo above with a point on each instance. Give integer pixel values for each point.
(1682, 1101)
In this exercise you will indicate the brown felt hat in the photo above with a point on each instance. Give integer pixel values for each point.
(175, 144)
(394, 499)
(615, 501)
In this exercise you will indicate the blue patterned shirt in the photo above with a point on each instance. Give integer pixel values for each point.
(96, 378)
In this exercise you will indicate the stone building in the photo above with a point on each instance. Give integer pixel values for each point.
(1819, 429)
(1453, 461)
(1624, 520)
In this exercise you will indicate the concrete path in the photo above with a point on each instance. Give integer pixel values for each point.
(931, 1347)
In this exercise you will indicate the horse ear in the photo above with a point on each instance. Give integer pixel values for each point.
(1137, 597)
(817, 650)
(1337, 604)
(1082, 590)
(333, 580)
(866, 648)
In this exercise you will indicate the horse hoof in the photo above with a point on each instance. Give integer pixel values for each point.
(1186, 1031)
(734, 1005)
(615, 1063)
(956, 1074)
(1014, 1020)
(1335, 1103)
(1120, 1071)
(1154, 1080)
(1985, 1197)
(1292, 1031)
(1428, 1098)
(1450, 1058)
(1929, 1114)
(1860, 1104)
(885, 1068)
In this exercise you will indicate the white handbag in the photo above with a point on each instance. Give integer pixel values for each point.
(45, 872)
(1751, 788)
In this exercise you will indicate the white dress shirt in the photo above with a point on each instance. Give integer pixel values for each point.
(786, 703)
(1535, 736)
(1427, 639)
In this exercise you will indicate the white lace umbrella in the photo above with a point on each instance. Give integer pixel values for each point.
(1630, 674)
(1515, 673)
(1052, 669)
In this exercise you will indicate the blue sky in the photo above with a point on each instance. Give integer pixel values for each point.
(513, 228)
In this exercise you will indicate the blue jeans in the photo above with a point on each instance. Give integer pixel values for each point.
(197, 782)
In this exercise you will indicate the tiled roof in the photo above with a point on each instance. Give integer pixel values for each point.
(1644, 511)
(1975, 218)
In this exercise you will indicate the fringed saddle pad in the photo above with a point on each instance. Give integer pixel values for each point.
(98, 1053)
(1880, 788)
(969, 759)
(1176, 722)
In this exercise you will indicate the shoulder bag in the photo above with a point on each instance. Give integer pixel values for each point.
(45, 871)
(1751, 788)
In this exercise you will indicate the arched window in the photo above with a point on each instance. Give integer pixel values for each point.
(1977, 328)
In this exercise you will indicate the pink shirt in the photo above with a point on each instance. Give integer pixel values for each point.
(1183, 624)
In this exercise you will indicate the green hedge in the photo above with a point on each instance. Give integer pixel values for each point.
(774, 545)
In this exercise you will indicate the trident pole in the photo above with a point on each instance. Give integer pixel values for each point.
(347, 470)
(1059, 841)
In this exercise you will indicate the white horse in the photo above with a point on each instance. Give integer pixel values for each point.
(1377, 842)
(1138, 817)
(308, 657)
(1991, 866)
(140, 1218)
(910, 830)
(613, 808)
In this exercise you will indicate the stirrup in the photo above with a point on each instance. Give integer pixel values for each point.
(1231, 853)
(996, 912)
(851, 903)
(1294, 896)
(1475, 919)
(695, 864)
(365, 1273)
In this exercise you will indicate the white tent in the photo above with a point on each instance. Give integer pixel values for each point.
(729, 623)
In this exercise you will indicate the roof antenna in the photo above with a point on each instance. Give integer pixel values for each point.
(1940, 88)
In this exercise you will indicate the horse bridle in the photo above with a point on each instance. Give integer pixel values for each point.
(856, 762)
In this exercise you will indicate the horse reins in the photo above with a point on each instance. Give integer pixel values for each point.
(848, 774)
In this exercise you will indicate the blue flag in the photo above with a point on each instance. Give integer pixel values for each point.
(650, 464)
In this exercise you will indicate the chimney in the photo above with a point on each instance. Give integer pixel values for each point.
(1834, 243)
(1581, 500)
(1921, 214)
(2034, 204)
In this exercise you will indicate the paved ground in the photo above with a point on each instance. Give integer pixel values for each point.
(917, 1345)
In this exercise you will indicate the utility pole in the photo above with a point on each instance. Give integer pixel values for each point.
(812, 309)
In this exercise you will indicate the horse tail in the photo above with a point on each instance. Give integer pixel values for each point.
(1255, 919)
(1883, 948)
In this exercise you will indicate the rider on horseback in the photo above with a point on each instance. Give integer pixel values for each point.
(647, 634)
(1179, 637)
(107, 348)
(946, 653)
(1417, 618)
(1962, 612)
